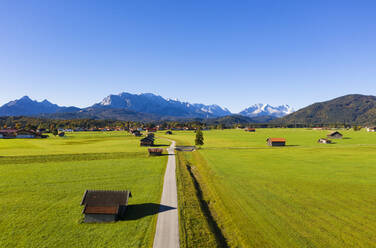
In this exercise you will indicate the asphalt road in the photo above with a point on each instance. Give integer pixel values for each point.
(167, 232)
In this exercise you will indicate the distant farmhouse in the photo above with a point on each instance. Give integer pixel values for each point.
(20, 134)
(276, 141)
(250, 129)
(335, 135)
(136, 133)
(104, 205)
(155, 151)
(324, 141)
(151, 130)
(371, 129)
(148, 140)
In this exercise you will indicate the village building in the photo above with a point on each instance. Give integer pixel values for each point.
(20, 134)
(335, 135)
(371, 129)
(136, 133)
(155, 151)
(151, 130)
(324, 141)
(249, 129)
(104, 205)
(276, 141)
(147, 141)
(8, 133)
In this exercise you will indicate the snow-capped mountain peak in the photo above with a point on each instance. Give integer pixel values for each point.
(261, 109)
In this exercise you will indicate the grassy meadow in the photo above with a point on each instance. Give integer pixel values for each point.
(42, 182)
(303, 195)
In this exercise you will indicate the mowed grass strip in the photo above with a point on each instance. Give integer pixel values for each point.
(195, 231)
(303, 195)
(40, 201)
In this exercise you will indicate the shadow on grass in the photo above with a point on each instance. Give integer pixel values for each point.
(346, 138)
(138, 211)
(159, 145)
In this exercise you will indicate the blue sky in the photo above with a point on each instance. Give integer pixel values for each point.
(232, 53)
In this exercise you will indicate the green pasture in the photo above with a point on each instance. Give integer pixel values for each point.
(303, 195)
(73, 143)
(42, 182)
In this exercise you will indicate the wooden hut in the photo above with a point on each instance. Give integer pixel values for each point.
(155, 151)
(276, 141)
(371, 129)
(147, 141)
(335, 135)
(249, 129)
(136, 133)
(104, 205)
(324, 141)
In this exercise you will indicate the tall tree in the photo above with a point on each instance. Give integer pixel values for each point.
(199, 141)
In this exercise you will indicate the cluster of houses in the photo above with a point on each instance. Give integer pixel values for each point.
(20, 134)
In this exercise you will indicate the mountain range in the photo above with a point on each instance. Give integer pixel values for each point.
(147, 106)
(349, 109)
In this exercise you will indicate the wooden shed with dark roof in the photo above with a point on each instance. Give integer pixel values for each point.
(147, 141)
(276, 141)
(335, 135)
(104, 205)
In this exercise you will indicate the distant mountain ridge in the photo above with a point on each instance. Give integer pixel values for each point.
(145, 106)
(350, 109)
(27, 107)
(267, 110)
(154, 104)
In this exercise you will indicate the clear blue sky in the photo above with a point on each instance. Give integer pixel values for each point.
(233, 53)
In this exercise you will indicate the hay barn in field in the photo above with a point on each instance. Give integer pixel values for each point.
(276, 141)
(155, 151)
(104, 205)
(250, 129)
(371, 129)
(147, 141)
(335, 135)
(324, 141)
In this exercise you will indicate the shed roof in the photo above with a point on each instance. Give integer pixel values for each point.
(334, 133)
(102, 198)
(277, 139)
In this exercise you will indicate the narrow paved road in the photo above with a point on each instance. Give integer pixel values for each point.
(167, 233)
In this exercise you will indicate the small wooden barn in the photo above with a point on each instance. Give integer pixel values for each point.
(324, 141)
(155, 151)
(249, 129)
(147, 141)
(371, 129)
(276, 141)
(335, 135)
(104, 205)
(136, 133)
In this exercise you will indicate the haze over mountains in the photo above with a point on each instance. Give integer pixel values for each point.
(137, 106)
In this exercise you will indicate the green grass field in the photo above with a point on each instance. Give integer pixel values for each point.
(303, 195)
(42, 182)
